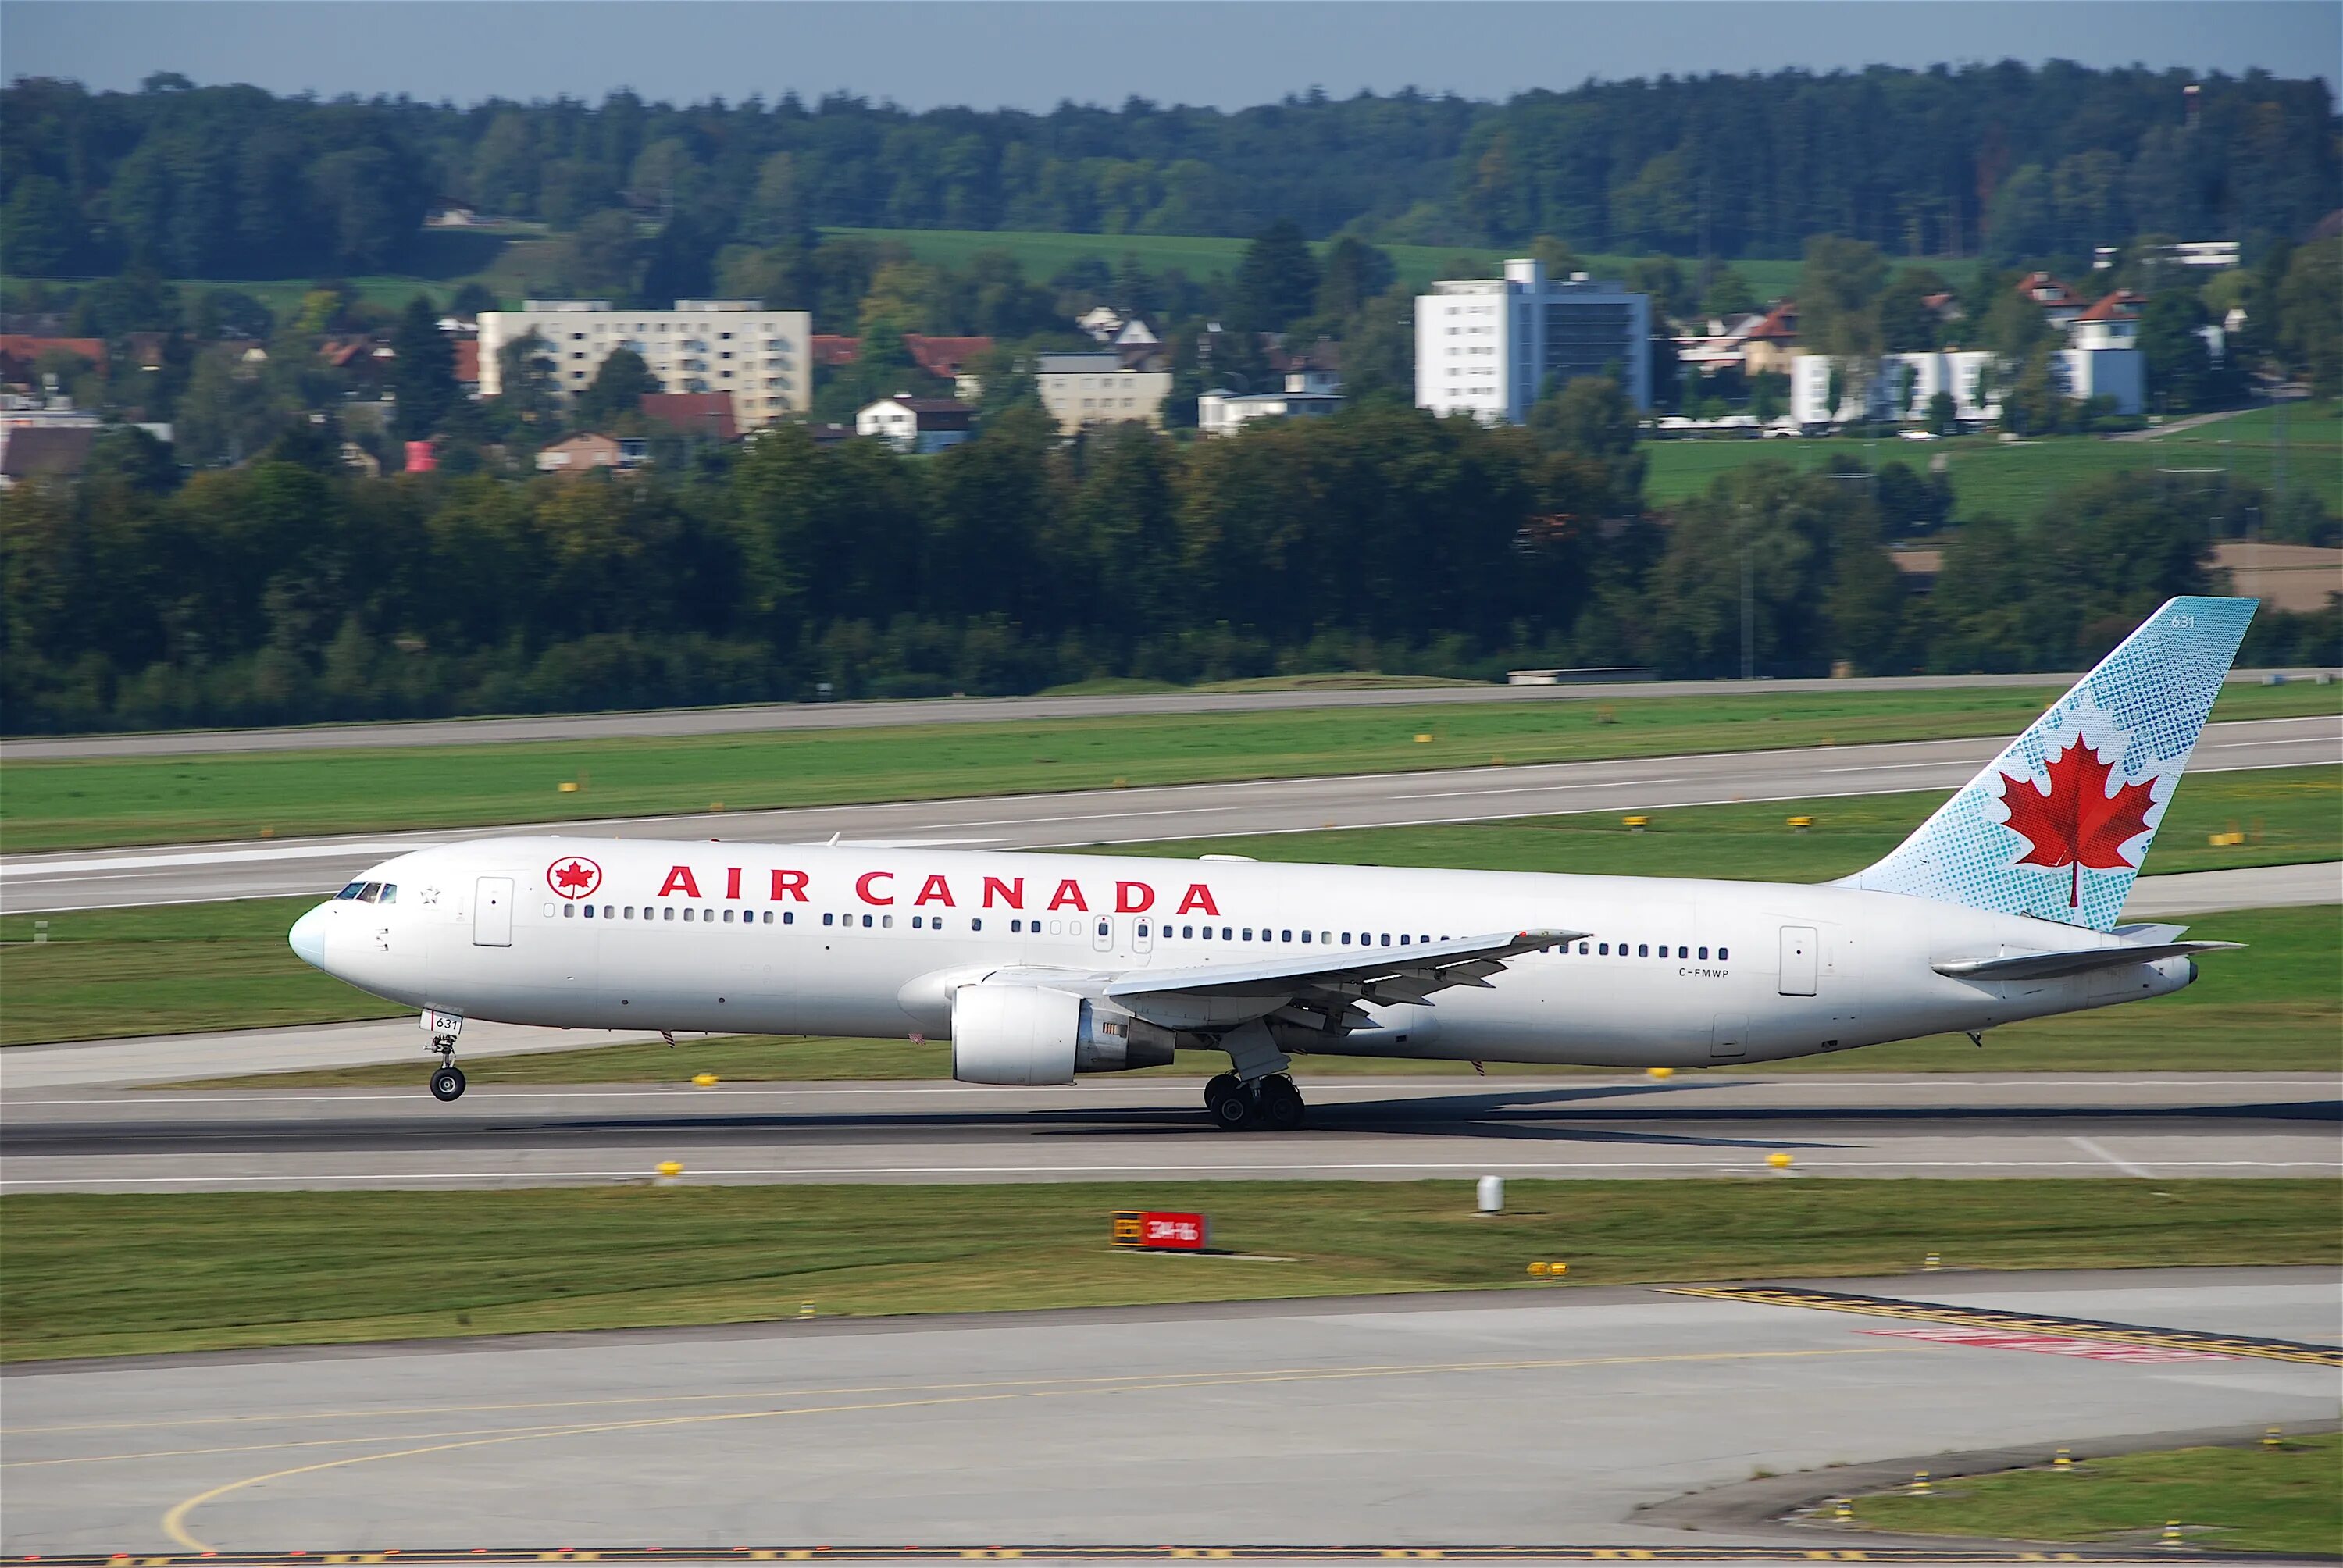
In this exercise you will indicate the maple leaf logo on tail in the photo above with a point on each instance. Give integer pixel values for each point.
(2074, 819)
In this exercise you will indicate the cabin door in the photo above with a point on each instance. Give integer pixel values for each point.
(492, 902)
(1798, 950)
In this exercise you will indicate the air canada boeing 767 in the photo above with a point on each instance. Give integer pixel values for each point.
(2001, 906)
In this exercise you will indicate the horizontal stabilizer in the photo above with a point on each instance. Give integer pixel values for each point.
(2051, 966)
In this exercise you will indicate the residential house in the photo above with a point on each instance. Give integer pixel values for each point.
(831, 351)
(1100, 322)
(1222, 412)
(694, 415)
(2059, 302)
(1773, 343)
(44, 451)
(1098, 388)
(579, 453)
(921, 424)
(948, 358)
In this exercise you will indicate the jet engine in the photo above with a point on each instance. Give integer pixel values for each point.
(1028, 1034)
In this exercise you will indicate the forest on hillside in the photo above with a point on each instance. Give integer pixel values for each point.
(2000, 161)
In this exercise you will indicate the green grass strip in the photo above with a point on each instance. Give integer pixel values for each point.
(2280, 1498)
(139, 800)
(133, 1273)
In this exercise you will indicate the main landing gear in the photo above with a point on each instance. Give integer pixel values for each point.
(448, 1084)
(1271, 1103)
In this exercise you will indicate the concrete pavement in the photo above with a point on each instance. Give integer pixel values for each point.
(766, 717)
(105, 879)
(1514, 1418)
(1713, 1123)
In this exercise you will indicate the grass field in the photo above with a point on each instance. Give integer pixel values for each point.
(175, 968)
(137, 801)
(2258, 1498)
(2017, 480)
(515, 259)
(315, 1268)
(2274, 1008)
(1200, 256)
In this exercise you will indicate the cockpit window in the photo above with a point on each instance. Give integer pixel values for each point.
(352, 891)
(389, 893)
(369, 892)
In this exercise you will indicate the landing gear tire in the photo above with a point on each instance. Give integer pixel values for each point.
(1280, 1105)
(448, 1084)
(1233, 1106)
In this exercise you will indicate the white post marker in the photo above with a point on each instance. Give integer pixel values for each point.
(1491, 1195)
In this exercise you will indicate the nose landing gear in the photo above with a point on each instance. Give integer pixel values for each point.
(448, 1084)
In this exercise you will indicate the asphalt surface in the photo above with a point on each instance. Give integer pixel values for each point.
(77, 879)
(1695, 1124)
(1519, 1418)
(766, 717)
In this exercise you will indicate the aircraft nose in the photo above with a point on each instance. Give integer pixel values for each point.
(307, 938)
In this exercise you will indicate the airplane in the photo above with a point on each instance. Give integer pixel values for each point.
(2003, 905)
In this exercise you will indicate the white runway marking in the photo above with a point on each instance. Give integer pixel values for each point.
(2097, 1152)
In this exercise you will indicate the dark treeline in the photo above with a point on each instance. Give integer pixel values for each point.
(288, 589)
(2003, 160)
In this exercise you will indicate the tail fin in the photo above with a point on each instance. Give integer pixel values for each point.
(2059, 826)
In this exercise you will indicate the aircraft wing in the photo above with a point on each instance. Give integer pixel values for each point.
(2050, 966)
(1328, 980)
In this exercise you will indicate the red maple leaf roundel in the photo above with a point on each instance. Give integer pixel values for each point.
(575, 877)
(2076, 822)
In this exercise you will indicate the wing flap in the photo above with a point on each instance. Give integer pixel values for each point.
(2082, 961)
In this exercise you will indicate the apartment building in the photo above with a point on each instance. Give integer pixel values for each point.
(760, 357)
(1486, 347)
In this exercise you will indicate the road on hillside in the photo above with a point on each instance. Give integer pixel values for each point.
(191, 873)
(665, 723)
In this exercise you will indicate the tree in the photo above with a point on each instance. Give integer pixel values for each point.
(618, 388)
(2310, 316)
(1838, 289)
(1944, 413)
(603, 257)
(1662, 278)
(43, 232)
(1355, 272)
(1906, 323)
(424, 372)
(1276, 282)
(2178, 365)
(526, 388)
(775, 213)
(1728, 294)
(1379, 355)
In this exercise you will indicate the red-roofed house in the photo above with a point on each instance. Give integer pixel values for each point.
(2112, 323)
(696, 415)
(946, 358)
(1773, 343)
(831, 349)
(2058, 302)
(468, 365)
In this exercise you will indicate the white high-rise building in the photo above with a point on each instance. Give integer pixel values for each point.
(1487, 346)
(735, 346)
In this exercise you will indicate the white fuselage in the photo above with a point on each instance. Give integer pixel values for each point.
(742, 938)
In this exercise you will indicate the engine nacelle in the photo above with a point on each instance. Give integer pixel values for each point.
(1027, 1034)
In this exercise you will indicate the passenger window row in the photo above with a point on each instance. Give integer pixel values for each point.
(1643, 950)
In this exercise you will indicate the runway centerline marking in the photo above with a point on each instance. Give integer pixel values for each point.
(175, 1520)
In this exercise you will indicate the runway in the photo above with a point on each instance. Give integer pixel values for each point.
(80, 880)
(1696, 1125)
(1501, 1418)
(763, 718)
